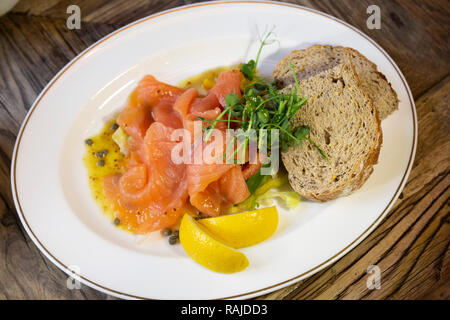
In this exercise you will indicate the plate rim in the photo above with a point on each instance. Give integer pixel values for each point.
(253, 293)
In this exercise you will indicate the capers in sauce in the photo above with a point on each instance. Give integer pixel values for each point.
(101, 153)
(173, 240)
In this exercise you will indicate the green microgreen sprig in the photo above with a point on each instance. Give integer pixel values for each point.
(263, 106)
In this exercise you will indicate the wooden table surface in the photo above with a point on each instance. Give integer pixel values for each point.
(411, 245)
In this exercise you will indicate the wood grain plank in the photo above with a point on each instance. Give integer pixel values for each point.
(417, 43)
(34, 7)
(114, 12)
(32, 50)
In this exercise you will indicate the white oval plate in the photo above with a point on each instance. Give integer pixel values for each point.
(50, 183)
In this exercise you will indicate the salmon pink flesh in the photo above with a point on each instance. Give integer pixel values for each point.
(154, 191)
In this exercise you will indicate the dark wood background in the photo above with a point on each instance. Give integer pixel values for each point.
(411, 245)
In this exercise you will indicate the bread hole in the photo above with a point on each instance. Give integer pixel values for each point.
(327, 137)
(335, 80)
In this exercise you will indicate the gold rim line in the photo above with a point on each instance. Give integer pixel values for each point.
(324, 264)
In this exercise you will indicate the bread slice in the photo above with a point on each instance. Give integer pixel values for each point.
(344, 124)
(318, 58)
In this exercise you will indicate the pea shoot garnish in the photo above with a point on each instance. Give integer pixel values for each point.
(249, 69)
(263, 106)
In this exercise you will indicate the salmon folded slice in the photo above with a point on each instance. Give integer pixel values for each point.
(159, 186)
(155, 191)
(233, 186)
(152, 101)
(227, 186)
(228, 82)
(135, 118)
(183, 103)
(203, 187)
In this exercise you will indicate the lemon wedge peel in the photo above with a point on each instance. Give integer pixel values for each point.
(207, 251)
(243, 229)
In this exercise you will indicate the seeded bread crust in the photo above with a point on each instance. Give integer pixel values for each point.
(344, 124)
(317, 58)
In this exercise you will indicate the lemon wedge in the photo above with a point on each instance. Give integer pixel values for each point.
(204, 249)
(243, 229)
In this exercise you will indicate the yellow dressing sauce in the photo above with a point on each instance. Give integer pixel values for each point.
(203, 81)
(113, 164)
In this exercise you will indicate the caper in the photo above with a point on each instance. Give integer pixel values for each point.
(116, 221)
(101, 153)
(172, 240)
(175, 234)
(89, 142)
(101, 163)
(114, 126)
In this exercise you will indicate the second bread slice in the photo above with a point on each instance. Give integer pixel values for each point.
(318, 58)
(345, 125)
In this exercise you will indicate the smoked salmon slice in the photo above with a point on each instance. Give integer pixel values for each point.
(233, 186)
(155, 191)
(159, 185)
(210, 201)
(183, 103)
(151, 101)
(151, 91)
(204, 104)
(135, 118)
(202, 175)
(228, 82)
